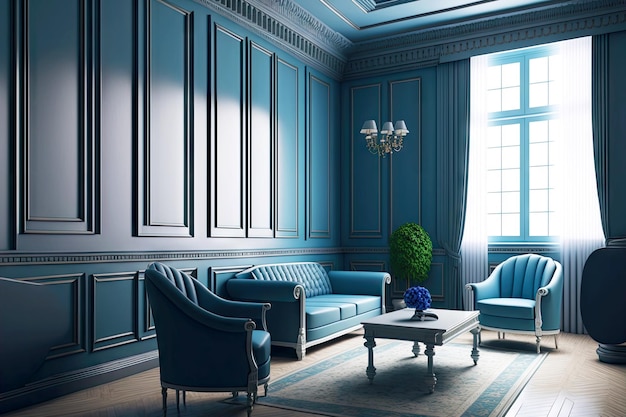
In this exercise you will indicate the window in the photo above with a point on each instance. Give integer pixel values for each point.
(522, 135)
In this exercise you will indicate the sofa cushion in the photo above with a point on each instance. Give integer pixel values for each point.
(516, 308)
(317, 316)
(311, 275)
(364, 303)
(346, 309)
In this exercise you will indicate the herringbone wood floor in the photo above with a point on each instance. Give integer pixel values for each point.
(570, 383)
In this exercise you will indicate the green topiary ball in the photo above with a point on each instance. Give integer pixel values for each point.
(411, 252)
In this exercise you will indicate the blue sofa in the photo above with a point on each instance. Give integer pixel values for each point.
(309, 304)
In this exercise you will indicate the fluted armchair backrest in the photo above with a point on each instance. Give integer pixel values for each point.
(181, 280)
(521, 276)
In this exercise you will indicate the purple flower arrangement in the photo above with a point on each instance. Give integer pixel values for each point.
(418, 298)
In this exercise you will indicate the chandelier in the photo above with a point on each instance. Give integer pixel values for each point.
(390, 140)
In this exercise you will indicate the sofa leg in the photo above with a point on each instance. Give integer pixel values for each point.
(538, 344)
(300, 342)
(556, 341)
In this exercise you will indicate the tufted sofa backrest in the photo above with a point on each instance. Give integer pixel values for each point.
(521, 276)
(179, 279)
(311, 275)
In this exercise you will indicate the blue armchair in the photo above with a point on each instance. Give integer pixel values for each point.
(522, 295)
(206, 343)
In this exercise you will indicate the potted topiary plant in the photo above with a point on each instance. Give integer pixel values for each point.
(411, 252)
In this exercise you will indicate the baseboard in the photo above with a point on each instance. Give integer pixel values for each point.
(69, 382)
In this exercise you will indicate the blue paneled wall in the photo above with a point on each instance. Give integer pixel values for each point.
(135, 131)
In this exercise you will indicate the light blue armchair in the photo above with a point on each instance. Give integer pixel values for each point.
(206, 343)
(522, 295)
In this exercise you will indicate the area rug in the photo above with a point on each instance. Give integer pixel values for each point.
(338, 386)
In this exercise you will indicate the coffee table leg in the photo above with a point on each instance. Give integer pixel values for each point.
(416, 349)
(476, 334)
(430, 352)
(371, 370)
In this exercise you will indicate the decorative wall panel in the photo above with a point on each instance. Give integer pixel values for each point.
(218, 276)
(115, 310)
(228, 128)
(7, 126)
(405, 167)
(71, 290)
(58, 109)
(286, 155)
(261, 141)
(365, 205)
(319, 157)
(165, 197)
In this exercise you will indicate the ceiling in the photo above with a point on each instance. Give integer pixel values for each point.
(364, 20)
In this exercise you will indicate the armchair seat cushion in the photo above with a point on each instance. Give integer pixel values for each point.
(515, 308)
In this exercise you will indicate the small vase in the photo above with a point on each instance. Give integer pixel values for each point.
(418, 315)
(421, 315)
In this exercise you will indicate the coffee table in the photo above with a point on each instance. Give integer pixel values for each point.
(398, 325)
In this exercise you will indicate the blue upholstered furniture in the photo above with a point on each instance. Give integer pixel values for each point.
(32, 321)
(310, 305)
(522, 295)
(206, 343)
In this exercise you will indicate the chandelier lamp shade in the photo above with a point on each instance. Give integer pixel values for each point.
(390, 139)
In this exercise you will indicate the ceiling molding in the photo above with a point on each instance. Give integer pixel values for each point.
(293, 29)
(290, 27)
(463, 41)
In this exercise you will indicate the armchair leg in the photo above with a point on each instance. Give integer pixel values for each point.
(251, 401)
(556, 341)
(164, 396)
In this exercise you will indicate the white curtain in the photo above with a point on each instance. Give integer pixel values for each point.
(581, 228)
(474, 246)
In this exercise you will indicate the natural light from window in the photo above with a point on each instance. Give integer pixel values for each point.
(523, 92)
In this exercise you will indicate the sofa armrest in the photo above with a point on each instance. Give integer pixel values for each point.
(264, 291)
(359, 282)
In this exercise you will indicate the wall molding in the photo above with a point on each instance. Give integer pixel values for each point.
(154, 216)
(289, 27)
(295, 30)
(77, 208)
(54, 258)
(430, 47)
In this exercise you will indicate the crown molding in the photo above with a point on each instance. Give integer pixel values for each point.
(447, 44)
(291, 28)
(294, 30)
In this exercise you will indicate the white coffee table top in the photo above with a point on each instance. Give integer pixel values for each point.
(398, 325)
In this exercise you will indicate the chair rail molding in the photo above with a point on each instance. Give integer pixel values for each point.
(47, 258)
